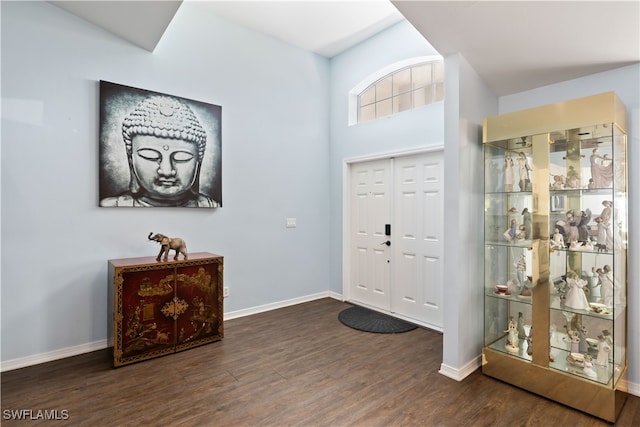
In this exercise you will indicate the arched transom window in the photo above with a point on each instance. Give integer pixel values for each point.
(404, 89)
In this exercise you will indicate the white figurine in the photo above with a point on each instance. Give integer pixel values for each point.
(575, 245)
(558, 240)
(588, 246)
(527, 221)
(605, 282)
(521, 269)
(512, 344)
(508, 172)
(573, 339)
(588, 367)
(604, 226)
(523, 172)
(594, 285)
(558, 182)
(576, 298)
(603, 351)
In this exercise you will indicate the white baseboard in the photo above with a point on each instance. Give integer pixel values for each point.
(50, 356)
(462, 373)
(62, 353)
(281, 304)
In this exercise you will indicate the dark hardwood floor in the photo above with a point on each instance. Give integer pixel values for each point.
(296, 366)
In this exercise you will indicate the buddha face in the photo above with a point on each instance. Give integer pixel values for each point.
(165, 168)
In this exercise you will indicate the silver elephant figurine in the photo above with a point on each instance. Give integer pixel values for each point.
(168, 243)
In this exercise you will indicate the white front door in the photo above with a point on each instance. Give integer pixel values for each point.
(370, 212)
(401, 196)
(419, 225)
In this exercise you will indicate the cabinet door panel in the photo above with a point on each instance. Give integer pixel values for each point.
(145, 331)
(197, 290)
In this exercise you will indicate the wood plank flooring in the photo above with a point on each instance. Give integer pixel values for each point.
(296, 366)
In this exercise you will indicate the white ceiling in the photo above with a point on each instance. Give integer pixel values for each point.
(514, 45)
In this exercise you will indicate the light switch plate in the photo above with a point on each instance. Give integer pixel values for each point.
(291, 223)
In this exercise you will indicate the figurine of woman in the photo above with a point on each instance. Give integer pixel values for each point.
(527, 222)
(512, 336)
(573, 178)
(603, 351)
(571, 226)
(583, 231)
(508, 172)
(520, 326)
(605, 276)
(558, 241)
(605, 225)
(601, 239)
(588, 367)
(512, 231)
(529, 340)
(583, 345)
(594, 285)
(523, 171)
(601, 173)
(573, 339)
(576, 298)
(521, 269)
(558, 182)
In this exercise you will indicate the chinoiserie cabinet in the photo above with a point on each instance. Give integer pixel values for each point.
(164, 307)
(555, 251)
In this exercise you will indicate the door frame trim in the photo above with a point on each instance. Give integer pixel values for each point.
(346, 204)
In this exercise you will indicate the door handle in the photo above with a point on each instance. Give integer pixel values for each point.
(388, 243)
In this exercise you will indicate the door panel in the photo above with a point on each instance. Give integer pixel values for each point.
(370, 211)
(417, 270)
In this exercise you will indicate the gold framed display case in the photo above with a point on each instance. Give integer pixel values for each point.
(555, 227)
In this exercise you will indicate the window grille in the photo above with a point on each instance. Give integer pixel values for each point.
(401, 90)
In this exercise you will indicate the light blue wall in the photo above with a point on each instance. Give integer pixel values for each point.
(626, 83)
(419, 128)
(56, 241)
(469, 100)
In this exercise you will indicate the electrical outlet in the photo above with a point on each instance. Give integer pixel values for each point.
(225, 292)
(291, 223)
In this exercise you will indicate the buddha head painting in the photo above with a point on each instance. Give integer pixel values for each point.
(165, 144)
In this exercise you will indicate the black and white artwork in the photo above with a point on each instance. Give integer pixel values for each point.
(158, 150)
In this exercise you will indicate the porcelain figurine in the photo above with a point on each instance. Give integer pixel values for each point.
(521, 269)
(530, 342)
(588, 367)
(605, 282)
(558, 240)
(508, 172)
(527, 221)
(523, 172)
(583, 345)
(606, 233)
(601, 170)
(520, 326)
(512, 343)
(603, 351)
(576, 298)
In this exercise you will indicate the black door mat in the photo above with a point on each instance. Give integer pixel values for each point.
(366, 320)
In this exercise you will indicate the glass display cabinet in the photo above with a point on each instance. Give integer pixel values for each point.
(555, 227)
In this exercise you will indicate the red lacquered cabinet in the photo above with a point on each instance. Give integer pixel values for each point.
(164, 307)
